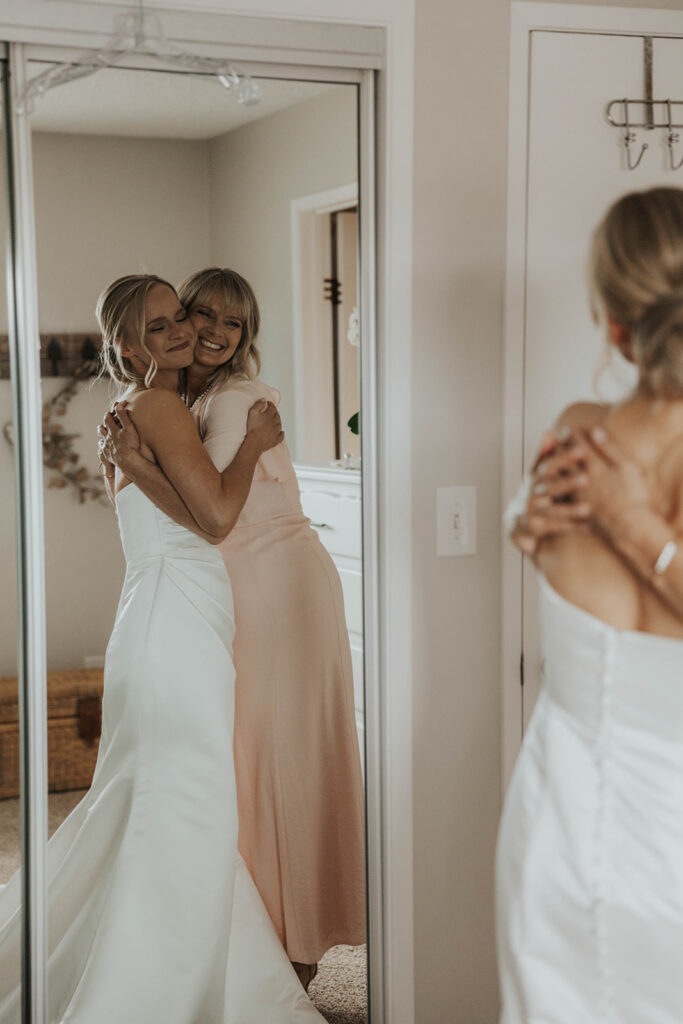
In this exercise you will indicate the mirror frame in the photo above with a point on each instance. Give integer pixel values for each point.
(319, 51)
(27, 424)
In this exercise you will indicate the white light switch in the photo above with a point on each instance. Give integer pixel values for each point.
(456, 520)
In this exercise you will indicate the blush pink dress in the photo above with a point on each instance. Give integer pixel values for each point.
(297, 759)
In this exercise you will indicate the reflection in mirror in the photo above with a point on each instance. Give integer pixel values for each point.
(158, 173)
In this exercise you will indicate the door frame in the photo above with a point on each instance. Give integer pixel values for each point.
(352, 49)
(528, 17)
(329, 201)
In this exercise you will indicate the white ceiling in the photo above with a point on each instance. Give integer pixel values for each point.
(154, 104)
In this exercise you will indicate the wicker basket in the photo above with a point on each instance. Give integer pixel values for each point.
(74, 722)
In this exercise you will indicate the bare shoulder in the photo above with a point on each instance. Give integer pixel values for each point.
(582, 415)
(155, 402)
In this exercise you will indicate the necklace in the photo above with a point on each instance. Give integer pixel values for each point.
(199, 397)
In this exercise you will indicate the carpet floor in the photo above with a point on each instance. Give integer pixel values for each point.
(340, 988)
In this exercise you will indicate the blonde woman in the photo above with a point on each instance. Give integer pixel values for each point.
(299, 782)
(146, 890)
(590, 853)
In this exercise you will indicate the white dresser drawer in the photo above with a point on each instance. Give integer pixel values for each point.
(334, 508)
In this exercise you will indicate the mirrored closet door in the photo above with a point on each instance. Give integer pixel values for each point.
(138, 170)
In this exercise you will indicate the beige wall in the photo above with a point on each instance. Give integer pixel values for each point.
(459, 231)
(255, 172)
(112, 206)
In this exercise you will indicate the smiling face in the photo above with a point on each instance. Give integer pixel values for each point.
(225, 314)
(168, 338)
(219, 329)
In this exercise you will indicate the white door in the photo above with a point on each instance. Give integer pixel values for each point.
(576, 168)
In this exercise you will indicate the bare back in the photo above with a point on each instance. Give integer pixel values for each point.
(582, 566)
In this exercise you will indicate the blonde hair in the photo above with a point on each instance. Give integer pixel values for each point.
(636, 277)
(237, 294)
(123, 301)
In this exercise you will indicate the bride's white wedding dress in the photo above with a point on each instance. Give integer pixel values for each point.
(142, 924)
(590, 851)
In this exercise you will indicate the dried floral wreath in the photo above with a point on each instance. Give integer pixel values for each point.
(59, 454)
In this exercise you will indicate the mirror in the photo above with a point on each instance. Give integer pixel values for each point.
(157, 172)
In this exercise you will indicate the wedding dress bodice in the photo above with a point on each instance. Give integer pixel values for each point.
(605, 677)
(147, 532)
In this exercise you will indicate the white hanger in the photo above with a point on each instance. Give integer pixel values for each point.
(139, 32)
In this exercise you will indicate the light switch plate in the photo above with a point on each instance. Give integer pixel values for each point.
(456, 521)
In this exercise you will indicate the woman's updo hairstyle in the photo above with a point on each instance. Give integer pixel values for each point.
(237, 294)
(120, 309)
(636, 276)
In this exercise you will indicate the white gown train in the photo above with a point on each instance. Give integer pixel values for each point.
(150, 918)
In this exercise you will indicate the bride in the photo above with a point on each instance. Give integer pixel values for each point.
(148, 920)
(590, 851)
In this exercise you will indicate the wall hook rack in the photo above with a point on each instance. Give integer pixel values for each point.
(647, 113)
(655, 114)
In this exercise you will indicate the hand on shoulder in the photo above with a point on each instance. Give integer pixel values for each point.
(579, 416)
(161, 417)
(554, 500)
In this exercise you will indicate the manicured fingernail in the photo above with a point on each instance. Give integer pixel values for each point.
(598, 434)
(564, 432)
